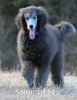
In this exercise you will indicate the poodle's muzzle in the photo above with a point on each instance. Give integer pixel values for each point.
(31, 23)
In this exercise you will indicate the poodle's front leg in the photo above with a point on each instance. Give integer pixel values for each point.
(28, 72)
(42, 76)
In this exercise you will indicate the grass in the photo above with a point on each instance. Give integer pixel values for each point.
(14, 87)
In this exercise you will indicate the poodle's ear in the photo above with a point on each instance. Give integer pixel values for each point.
(18, 19)
(42, 16)
(66, 28)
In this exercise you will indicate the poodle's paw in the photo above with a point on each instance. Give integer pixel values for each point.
(31, 85)
(59, 81)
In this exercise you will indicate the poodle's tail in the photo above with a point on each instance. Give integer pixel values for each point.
(65, 29)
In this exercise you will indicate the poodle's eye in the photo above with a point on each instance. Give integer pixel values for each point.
(27, 18)
(34, 17)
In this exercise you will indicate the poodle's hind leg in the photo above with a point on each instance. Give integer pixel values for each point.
(57, 69)
(28, 73)
(42, 76)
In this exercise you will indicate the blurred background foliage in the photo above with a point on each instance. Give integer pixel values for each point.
(58, 10)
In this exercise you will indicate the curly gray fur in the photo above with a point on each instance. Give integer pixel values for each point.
(45, 52)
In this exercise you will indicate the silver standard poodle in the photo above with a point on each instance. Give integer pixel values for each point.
(41, 46)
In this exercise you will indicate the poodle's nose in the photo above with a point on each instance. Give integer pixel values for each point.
(31, 26)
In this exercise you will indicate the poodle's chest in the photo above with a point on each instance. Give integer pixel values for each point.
(34, 50)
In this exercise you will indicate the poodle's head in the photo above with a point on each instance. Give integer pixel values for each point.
(31, 19)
